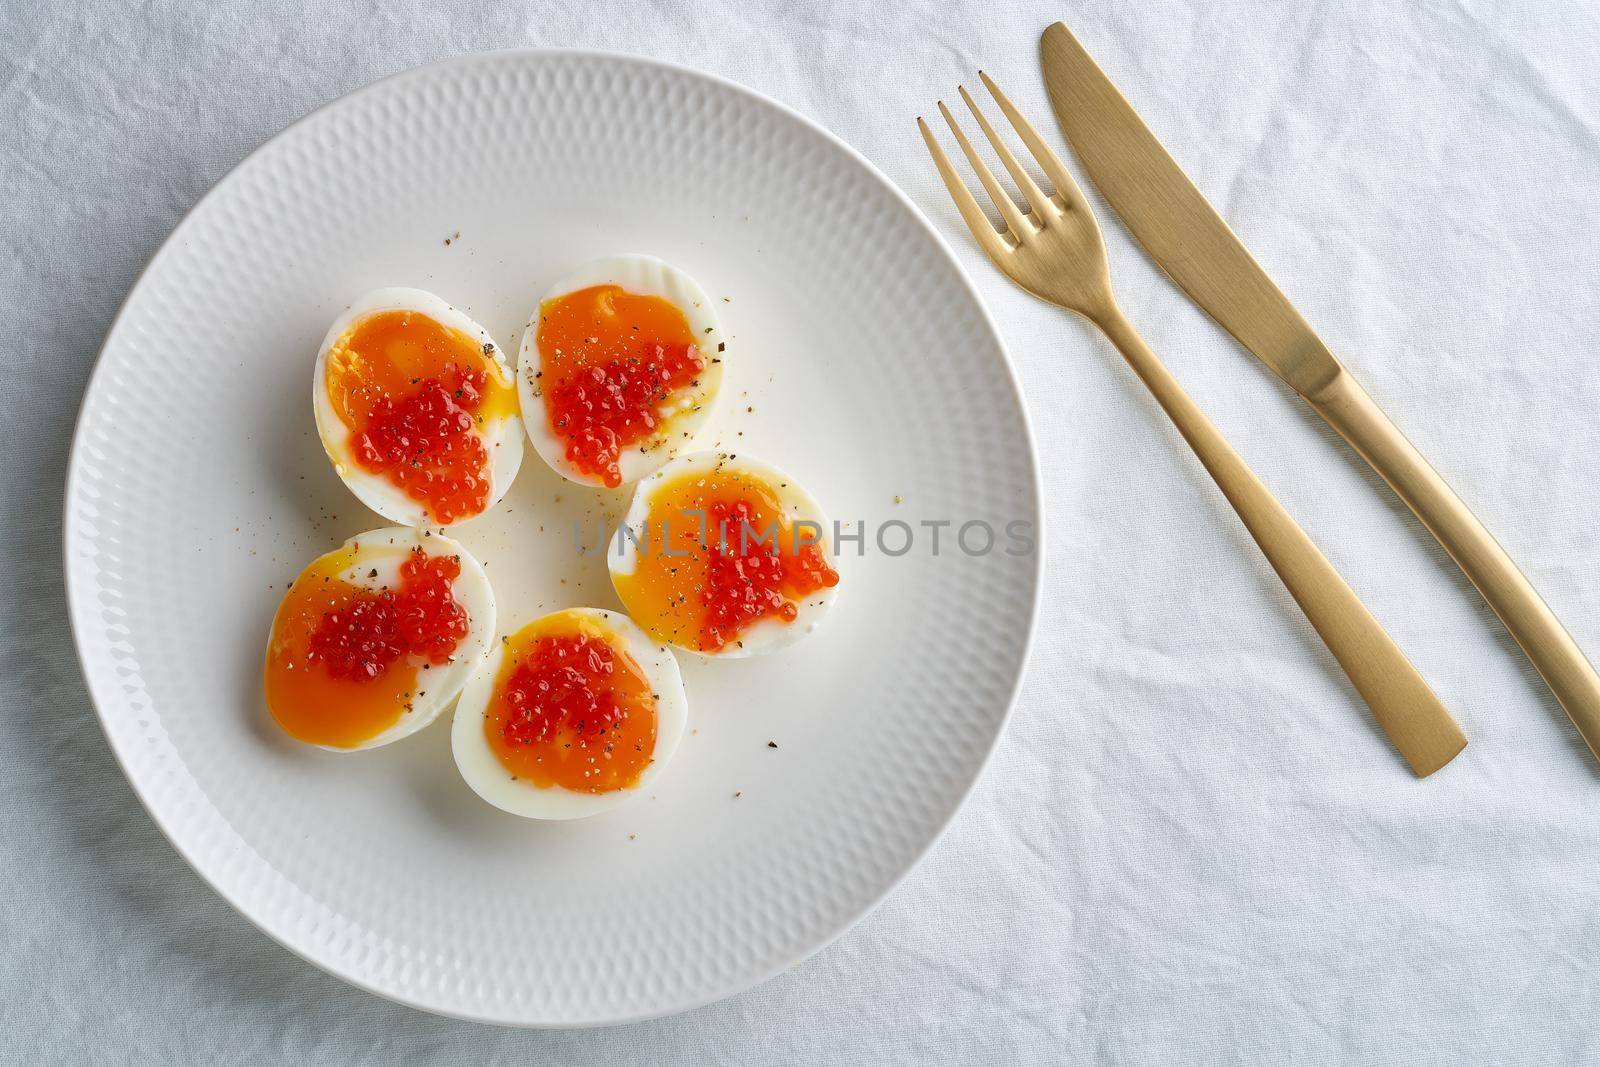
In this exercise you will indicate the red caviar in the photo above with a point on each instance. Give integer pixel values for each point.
(746, 582)
(373, 628)
(414, 394)
(611, 363)
(572, 709)
(342, 663)
(701, 583)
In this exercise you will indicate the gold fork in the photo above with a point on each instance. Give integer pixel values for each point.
(1055, 252)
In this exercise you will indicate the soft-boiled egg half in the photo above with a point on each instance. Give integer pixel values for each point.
(572, 715)
(376, 638)
(417, 408)
(618, 369)
(723, 555)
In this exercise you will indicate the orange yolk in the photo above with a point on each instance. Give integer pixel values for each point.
(610, 364)
(571, 708)
(344, 660)
(415, 395)
(701, 582)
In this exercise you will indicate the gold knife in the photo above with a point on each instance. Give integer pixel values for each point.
(1188, 240)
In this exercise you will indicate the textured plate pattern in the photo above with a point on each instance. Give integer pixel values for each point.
(858, 358)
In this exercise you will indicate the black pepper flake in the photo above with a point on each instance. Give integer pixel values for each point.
(772, 744)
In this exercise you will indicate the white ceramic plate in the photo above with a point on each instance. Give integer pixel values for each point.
(198, 489)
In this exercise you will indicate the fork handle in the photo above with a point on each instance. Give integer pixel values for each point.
(1558, 659)
(1407, 710)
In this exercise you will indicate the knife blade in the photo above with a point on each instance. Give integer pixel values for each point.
(1172, 220)
(1188, 240)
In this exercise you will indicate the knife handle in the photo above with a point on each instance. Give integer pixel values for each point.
(1407, 710)
(1348, 409)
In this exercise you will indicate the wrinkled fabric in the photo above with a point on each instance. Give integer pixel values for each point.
(1192, 845)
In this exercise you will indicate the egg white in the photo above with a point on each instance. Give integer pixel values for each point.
(383, 551)
(490, 779)
(502, 437)
(765, 635)
(647, 276)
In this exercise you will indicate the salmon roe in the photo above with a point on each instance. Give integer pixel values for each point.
(414, 394)
(750, 582)
(700, 583)
(361, 638)
(611, 364)
(343, 660)
(572, 709)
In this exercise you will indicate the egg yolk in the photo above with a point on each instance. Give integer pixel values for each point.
(611, 363)
(345, 661)
(571, 708)
(415, 394)
(716, 556)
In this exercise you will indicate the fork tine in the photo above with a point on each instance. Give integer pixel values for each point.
(1048, 161)
(982, 229)
(1002, 200)
(1030, 189)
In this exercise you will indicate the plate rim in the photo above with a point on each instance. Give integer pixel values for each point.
(71, 532)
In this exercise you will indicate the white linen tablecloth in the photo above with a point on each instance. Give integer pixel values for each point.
(1193, 846)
